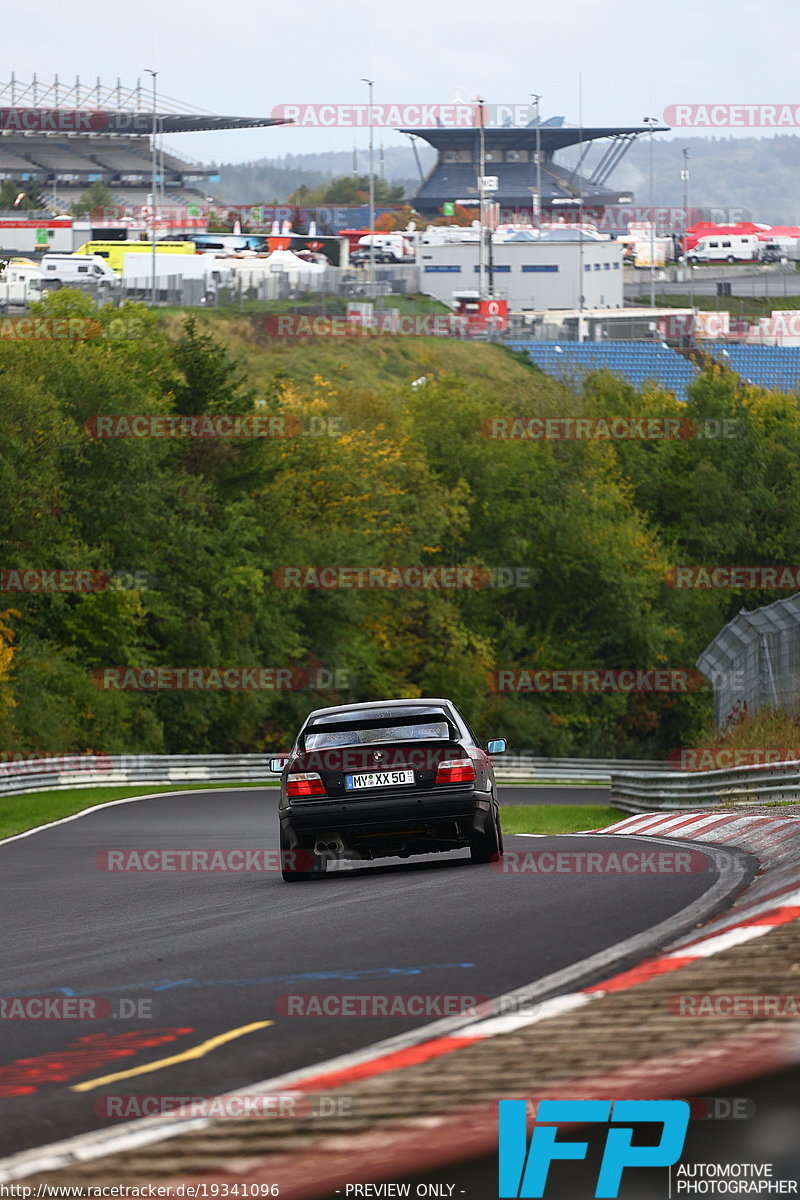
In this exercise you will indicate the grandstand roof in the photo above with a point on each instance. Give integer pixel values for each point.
(74, 120)
(63, 107)
(551, 138)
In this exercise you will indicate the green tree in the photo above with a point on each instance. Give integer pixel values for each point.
(347, 189)
(32, 195)
(97, 195)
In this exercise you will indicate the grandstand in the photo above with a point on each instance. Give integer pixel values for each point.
(773, 367)
(510, 154)
(65, 137)
(636, 362)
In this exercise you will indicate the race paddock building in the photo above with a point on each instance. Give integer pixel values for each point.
(561, 268)
(65, 136)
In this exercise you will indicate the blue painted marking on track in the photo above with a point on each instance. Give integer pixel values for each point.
(167, 985)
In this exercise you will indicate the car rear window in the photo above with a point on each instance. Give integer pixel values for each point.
(387, 725)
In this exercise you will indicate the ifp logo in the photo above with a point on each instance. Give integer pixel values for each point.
(523, 1170)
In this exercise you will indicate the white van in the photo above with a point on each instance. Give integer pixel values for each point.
(71, 270)
(724, 247)
(20, 283)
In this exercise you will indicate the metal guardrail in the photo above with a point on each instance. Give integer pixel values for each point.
(522, 767)
(84, 770)
(672, 791)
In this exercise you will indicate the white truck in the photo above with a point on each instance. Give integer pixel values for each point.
(137, 272)
(20, 283)
(389, 248)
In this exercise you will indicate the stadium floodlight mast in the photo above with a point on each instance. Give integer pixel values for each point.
(651, 121)
(153, 187)
(370, 84)
(481, 102)
(685, 179)
(538, 206)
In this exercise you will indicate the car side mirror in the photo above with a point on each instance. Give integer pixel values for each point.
(276, 765)
(496, 746)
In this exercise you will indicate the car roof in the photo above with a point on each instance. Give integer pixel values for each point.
(415, 701)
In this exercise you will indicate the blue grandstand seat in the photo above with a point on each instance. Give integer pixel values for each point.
(637, 362)
(774, 367)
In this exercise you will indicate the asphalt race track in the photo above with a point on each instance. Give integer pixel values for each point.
(207, 953)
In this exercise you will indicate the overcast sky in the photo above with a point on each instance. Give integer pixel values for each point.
(635, 59)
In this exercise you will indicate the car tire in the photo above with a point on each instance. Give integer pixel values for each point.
(730, 259)
(486, 847)
(288, 875)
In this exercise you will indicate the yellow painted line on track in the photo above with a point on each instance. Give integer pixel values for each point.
(186, 1055)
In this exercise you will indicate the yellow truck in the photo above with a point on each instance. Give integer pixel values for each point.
(114, 252)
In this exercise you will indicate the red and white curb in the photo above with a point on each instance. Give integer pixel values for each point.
(772, 899)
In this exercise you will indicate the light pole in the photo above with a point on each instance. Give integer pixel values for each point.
(481, 199)
(154, 174)
(651, 121)
(538, 208)
(685, 178)
(370, 84)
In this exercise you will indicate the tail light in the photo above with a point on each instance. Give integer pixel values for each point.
(455, 770)
(308, 784)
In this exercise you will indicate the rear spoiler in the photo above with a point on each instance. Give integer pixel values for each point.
(379, 723)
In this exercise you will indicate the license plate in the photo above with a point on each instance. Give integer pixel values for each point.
(372, 779)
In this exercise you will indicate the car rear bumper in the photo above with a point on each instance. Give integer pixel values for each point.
(388, 814)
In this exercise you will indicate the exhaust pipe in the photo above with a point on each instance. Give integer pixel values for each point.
(331, 845)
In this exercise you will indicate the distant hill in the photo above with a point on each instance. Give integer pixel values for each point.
(271, 180)
(754, 178)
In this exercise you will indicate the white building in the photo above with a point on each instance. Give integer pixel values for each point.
(532, 272)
